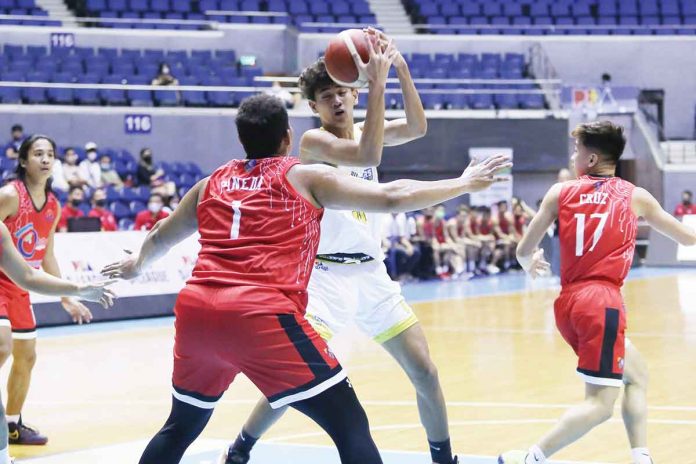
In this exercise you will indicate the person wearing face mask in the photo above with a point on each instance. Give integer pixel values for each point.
(685, 207)
(109, 176)
(164, 76)
(146, 219)
(89, 168)
(71, 171)
(108, 221)
(172, 204)
(71, 208)
(150, 176)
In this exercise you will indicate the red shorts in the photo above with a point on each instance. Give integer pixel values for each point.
(592, 319)
(220, 333)
(16, 312)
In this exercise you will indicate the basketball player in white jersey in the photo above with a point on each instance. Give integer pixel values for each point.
(350, 281)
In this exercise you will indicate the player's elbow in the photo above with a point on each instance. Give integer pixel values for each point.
(419, 130)
(394, 198)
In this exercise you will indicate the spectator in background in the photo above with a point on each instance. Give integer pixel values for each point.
(12, 147)
(503, 229)
(89, 167)
(482, 232)
(685, 207)
(459, 228)
(402, 255)
(172, 204)
(71, 208)
(58, 177)
(108, 221)
(71, 171)
(148, 176)
(146, 219)
(278, 91)
(164, 76)
(109, 176)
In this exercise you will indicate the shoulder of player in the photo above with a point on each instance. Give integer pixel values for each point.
(9, 196)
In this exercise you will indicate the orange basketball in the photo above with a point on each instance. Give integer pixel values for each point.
(339, 60)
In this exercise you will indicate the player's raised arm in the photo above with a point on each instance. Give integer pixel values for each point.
(329, 101)
(414, 125)
(164, 235)
(647, 207)
(533, 262)
(330, 188)
(38, 281)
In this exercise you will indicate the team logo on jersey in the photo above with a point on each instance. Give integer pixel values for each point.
(250, 165)
(329, 353)
(598, 185)
(319, 266)
(620, 362)
(27, 241)
(50, 216)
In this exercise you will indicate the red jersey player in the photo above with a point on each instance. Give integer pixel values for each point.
(30, 212)
(243, 308)
(597, 216)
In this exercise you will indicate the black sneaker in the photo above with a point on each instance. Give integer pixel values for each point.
(22, 434)
(236, 457)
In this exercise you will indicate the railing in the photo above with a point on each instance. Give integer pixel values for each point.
(542, 69)
(553, 27)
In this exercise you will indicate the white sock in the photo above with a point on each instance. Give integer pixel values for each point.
(535, 456)
(5, 455)
(14, 419)
(641, 456)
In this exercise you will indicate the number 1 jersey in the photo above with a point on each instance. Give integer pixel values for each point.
(597, 229)
(257, 231)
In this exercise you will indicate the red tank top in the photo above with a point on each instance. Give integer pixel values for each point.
(30, 228)
(440, 231)
(597, 229)
(256, 230)
(484, 226)
(504, 223)
(520, 222)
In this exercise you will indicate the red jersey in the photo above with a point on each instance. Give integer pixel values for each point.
(682, 210)
(482, 226)
(597, 229)
(504, 223)
(67, 213)
(434, 229)
(30, 228)
(144, 220)
(520, 222)
(108, 221)
(257, 230)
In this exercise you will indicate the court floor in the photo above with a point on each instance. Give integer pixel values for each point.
(100, 392)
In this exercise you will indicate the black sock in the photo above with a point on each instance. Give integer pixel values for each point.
(441, 451)
(244, 442)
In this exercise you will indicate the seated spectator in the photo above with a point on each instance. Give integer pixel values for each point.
(108, 220)
(521, 214)
(685, 207)
(164, 76)
(89, 168)
(58, 177)
(12, 147)
(446, 255)
(71, 208)
(503, 229)
(109, 176)
(459, 228)
(146, 219)
(71, 171)
(279, 91)
(482, 231)
(148, 176)
(172, 203)
(402, 255)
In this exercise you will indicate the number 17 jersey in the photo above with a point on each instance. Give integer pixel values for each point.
(597, 229)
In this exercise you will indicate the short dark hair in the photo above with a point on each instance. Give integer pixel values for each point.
(17, 127)
(262, 124)
(602, 137)
(158, 195)
(502, 202)
(73, 188)
(313, 78)
(688, 192)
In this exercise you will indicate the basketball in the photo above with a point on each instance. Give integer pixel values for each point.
(340, 63)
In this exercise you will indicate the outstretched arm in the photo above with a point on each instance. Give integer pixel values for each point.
(646, 206)
(164, 235)
(533, 262)
(38, 281)
(330, 188)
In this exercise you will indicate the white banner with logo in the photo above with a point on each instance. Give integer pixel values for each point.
(82, 255)
(499, 191)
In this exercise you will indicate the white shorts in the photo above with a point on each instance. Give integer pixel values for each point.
(340, 293)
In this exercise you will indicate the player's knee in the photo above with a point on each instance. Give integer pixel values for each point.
(26, 359)
(5, 351)
(424, 374)
(602, 411)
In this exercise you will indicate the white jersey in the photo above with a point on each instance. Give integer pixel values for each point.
(353, 232)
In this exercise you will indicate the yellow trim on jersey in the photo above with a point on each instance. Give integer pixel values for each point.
(321, 328)
(398, 328)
